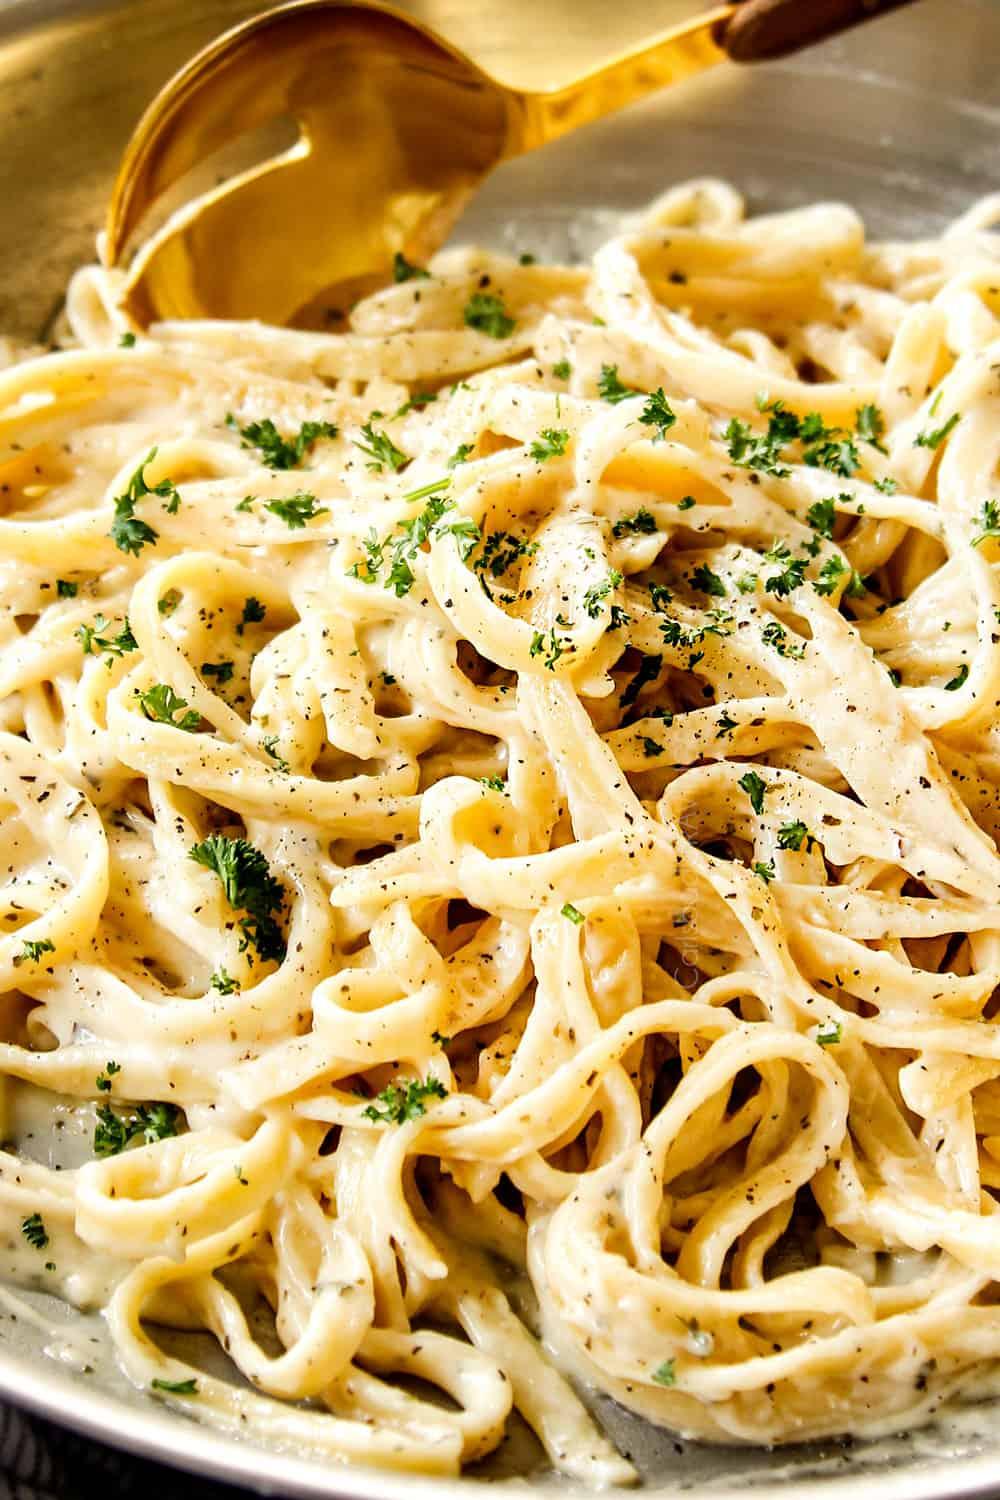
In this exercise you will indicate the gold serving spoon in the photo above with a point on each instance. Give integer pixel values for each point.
(397, 128)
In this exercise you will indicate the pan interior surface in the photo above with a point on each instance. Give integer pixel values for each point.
(901, 119)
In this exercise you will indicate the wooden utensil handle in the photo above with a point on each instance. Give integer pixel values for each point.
(762, 29)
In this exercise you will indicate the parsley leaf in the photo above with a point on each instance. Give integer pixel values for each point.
(280, 452)
(643, 523)
(756, 789)
(830, 575)
(792, 570)
(572, 914)
(248, 886)
(549, 646)
(611, 389)
(395, 1105)
(160, 703)
(104, 1079)
(295, 510)
(664, 1374)
(34, 1231)
(146, 1124)
(933, 439)
(794, 835)
(550, 443)
(405, 270)
(869, 424)
(766, 871)
(657, 413)
(381, 450)
(821, 516)
(960, 677)
(224, 983)
(66, 589)
(177, 1387)
(598, 591)
(487, 314)
(828, 1033)
(32, 950)
(775, 635)
(562, 370)
(707, 582)
(989, 521)
(111, 646)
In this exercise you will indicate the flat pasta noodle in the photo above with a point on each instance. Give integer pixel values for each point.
(499, 818)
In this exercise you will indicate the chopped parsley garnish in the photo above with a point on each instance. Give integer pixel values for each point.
(766, 871)
(687, 502)
(707, 582)
(224, 983)
(222, 671)
(381, 450)
(411, 537)
(791, 574)
(34, 1231)
(253, 613)
(414, 403)
(828, 1033)
(146, 1124)
(657, 413)
(869, 424)
(103, 1080)
(821, 516)
(643, 523)
(111, 646)
(934, 438)
(823, 447)
(572, 914)
(960, 677)
(66, 589)
(128, 532)
(611, 389)
(549, 646)
(562, 370)
(405, 270)
(487, 314)
(177, 1387)
(550, 443)
(127, 340)
(32, 950)
(160, 703)
(494, 783)
(659, 596)
(888, 485)
(651, 747)
(395, 1105)
(460, 455)
(598, 591)
(775, 635)
(756, 789)
(427, 489)
(664, 1374)
(649, 670)
(280, 452)
(169, 602)
(989, 521)
(248, 886)
(295, 510)
(271, 749)
(500, 551)
(830, 575)
(726, 724)
(794, 835)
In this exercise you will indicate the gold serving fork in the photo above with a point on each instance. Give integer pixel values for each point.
(397, 128)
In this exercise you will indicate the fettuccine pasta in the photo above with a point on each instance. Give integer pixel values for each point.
(499, 805)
